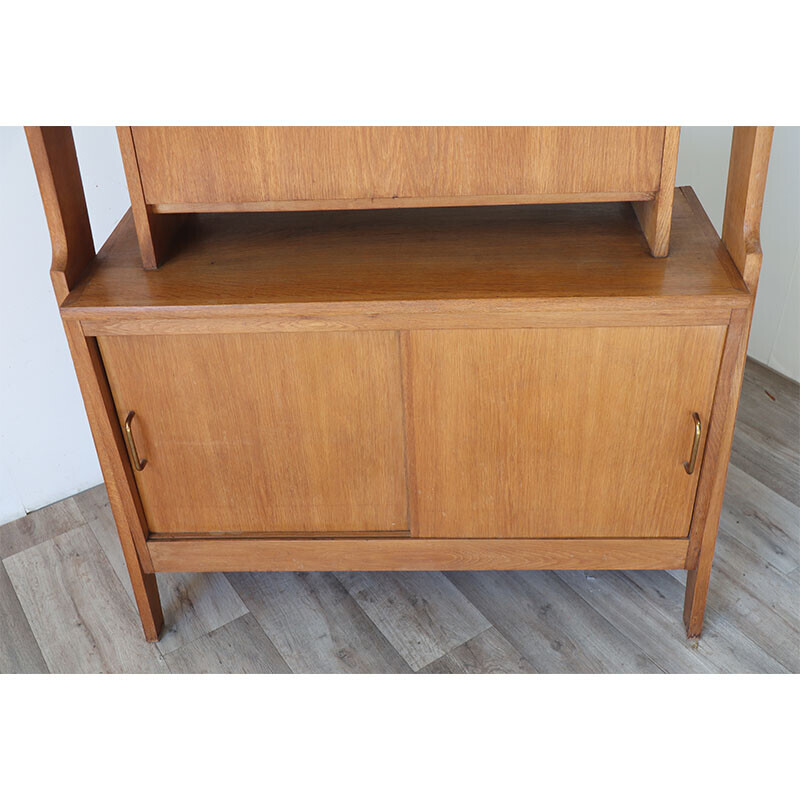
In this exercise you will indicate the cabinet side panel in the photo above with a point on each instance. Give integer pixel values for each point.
(214, 165)
(559, 432)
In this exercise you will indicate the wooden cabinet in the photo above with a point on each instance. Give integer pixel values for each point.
(491, 372)
(559, 432)
(264, 432)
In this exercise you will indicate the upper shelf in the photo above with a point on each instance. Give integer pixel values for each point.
(509, 257)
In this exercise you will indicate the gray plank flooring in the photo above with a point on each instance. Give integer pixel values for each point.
(77, 609)
(422, 614)
(66, 603)
(315, 624)
(761, 520)
(551, 625)
(41, 526)
(193, 604)
(767, 440)
(485, 654)
(240, 646)
(19, 650)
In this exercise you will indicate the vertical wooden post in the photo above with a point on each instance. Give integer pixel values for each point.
(747, 179)
(56, 165)
(154, 231)
(655, 216)
(747, 175)
(122, 493)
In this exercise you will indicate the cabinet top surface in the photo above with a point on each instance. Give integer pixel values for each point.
(527, 255)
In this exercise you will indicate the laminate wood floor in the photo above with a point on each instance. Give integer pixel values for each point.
(66, 603)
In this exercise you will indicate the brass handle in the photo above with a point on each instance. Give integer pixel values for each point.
(138, 463)
(698, 429)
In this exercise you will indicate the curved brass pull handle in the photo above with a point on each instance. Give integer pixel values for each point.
(138, 463)
(698, 429)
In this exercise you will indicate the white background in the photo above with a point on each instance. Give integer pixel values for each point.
(46, 449)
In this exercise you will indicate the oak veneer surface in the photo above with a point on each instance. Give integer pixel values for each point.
(523, 256)
(211, 554)
(559, 432)
(209, 165)
(265, 432)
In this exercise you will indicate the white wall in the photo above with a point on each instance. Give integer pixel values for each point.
(46, 450)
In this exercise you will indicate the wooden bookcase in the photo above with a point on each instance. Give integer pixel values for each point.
(442, 348)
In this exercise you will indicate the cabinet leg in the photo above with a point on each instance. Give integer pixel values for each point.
(122, 493)
(711, 486)
(145, 590)
(697, 579)
(694, 607)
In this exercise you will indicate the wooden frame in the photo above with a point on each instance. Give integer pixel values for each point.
(331, 555)
(56, 167)
(747, 178)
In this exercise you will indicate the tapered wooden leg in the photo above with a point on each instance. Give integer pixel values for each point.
(123, 496)
(694, 608)
(747, 176)
(711, 486)
(145, 590)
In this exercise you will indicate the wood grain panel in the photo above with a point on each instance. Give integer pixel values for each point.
(514, 258)
(559, 432)
(265, 432)
(340, 555)
(252, 164)
(472, 315)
